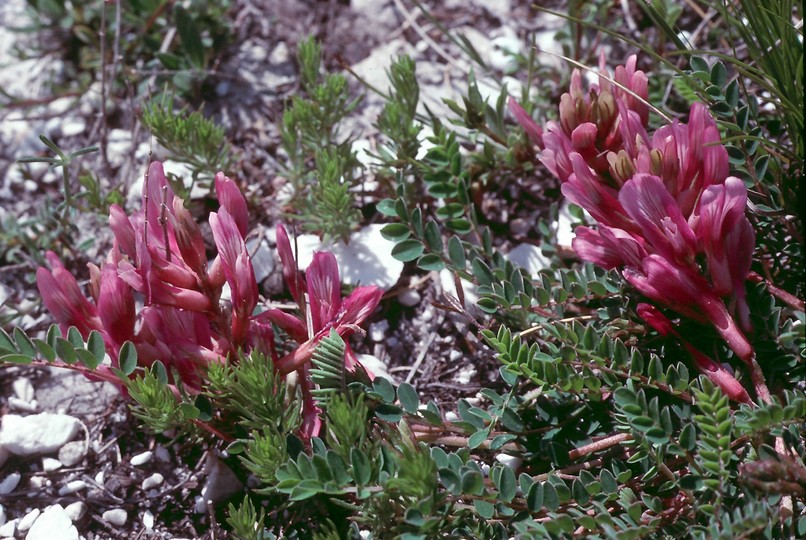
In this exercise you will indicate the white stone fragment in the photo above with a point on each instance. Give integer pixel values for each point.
(367, 260)
(23, 388)
(38, 482)
(377, 330)
(10, 483)
(119, 146)
(505, 49)
(50, 464)
(449, 287)
(99, 478)
(54, 523)
(2, 515)
(148, 520)
(116, 516)
(513, 462)
(7, 530)
(153, 481)
(28, 519)
(73, 126)
(41, 433)
(409, 298)
(365, 154)
(76, 510)
(21, 405)
(72, 453)
(262, 257)
(374, 365)
(565, 234)
(142, 458)
(72, 487)
(529, 257)
(464, 375)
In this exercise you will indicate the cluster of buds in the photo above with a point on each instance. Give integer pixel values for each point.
(159, 263)
(669, 215)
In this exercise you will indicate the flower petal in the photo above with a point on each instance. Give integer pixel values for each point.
(291, 274)
(324, 288)
(646, 200)
(231, 198)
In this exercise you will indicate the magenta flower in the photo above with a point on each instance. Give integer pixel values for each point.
(687, 157)
(655, 212)
(727, 239)
(322, 299)
(64, 299)
(586, 188)
(609, 247)
(711, 369)
(318, 294)
(686, 292)
(668, 214)
(237, 268)
(533, 131)
(159, 252)
(116, 308)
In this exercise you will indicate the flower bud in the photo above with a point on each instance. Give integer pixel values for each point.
(621, 166)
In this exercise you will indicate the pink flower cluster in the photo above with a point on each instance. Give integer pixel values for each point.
(670, 216)
(159, 258)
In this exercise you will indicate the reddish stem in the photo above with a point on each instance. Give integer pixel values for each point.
(788, 298)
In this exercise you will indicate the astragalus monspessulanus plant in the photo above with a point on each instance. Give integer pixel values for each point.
(669, 215)
(673, 220)
(158, 305)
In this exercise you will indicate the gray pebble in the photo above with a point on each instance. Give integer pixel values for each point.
(117, 516)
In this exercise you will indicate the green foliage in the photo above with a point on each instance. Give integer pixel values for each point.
(56, 349)
(190, 138)
(26, 238)
(714, 439)
(252, 390)
(596, 427)
(62, 160)
(155, 404)
(81, 30)
(246, 522)
(321, 165)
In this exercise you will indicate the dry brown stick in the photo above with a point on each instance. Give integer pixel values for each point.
(598, 446)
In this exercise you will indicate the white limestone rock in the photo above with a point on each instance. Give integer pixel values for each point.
(367, 260)
(116, 516)
(28, 519)
(53, 523)
(9, 483)
(529, 257)
(37, 434)
(72, 453)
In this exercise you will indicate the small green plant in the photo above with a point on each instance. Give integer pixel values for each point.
(322, 168)
(134, 35)
(62, 160)
(190, 138)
